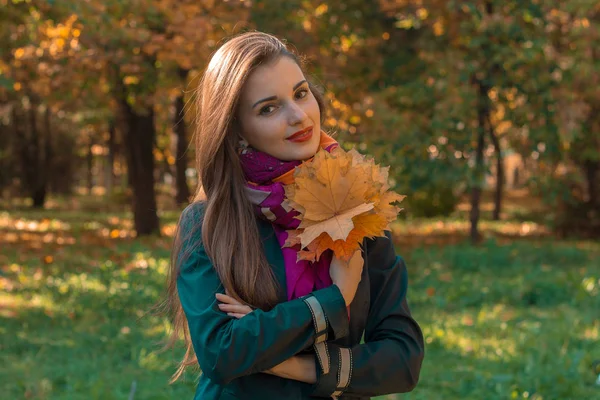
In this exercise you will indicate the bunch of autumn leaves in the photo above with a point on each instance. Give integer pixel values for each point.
(342, 197)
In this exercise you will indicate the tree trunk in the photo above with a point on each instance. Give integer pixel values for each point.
(7, 172)
(26, 145)
(110, 159)
(34, 170)
(499, 171)
(45, 162)
(39, 197)
(591, 176)
(183, 191)
(138, 140)
(90, 166)
(476, 189)
(482, 111)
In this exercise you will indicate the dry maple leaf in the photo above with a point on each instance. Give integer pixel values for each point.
(342, 197)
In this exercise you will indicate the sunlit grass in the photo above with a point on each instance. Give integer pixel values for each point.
(503, 320)
(507, 320)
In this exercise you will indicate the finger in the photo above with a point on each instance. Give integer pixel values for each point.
(227, 299)
(236, 315)
(232, 299)
(235, 308)
(357, 259)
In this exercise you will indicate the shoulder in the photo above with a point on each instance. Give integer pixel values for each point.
(190, 219)
(388, 274)
(189, 231)
(380, 251)
(193, 212)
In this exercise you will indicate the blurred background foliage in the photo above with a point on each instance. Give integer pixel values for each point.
(487, 111)
(457, 96)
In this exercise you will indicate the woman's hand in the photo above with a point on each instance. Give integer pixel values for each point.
(231, 306)
(299, 368)
(347, 275)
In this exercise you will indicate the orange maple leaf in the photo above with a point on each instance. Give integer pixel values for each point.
(342, 197)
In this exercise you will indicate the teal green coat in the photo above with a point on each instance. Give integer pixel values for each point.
(232, 352)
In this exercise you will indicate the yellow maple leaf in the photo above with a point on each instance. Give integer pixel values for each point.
(342, 197)
(338, 226)
(326, 186)
(292, 238)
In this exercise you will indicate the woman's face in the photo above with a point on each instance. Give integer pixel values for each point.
(278, 113)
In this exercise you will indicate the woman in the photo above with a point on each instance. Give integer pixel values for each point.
(258, 323)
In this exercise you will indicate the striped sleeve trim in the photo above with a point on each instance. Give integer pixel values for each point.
(321, 329)
(322, 352)
(319, 319)
(344, 372)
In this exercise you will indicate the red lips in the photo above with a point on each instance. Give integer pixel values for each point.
(301, 136)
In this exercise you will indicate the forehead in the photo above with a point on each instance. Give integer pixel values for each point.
(272, 79)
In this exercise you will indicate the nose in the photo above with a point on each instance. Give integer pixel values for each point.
(297, 116)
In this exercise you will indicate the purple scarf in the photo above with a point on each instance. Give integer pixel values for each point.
(267, 194)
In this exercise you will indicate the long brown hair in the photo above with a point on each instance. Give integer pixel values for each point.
(229, 228)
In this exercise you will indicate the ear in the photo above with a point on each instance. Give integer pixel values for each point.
(243, 142)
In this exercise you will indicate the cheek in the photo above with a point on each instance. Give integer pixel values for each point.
(263, 132)
(315, 113)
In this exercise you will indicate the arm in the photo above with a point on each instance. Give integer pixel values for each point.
(390, 359)
(300, 367)
(227, 347)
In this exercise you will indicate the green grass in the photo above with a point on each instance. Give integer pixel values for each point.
(507, 319)
(519, 320)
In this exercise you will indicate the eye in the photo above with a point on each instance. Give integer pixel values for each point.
(302, 93)
(265, 110)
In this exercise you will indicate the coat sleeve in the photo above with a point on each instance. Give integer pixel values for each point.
(227, 347)
(390, 359)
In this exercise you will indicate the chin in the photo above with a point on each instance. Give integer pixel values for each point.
(297, 155)
(314, 146)
(308, 152)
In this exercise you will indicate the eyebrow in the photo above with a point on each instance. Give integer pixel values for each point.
(296, 86)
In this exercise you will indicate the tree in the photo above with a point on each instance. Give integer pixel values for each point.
(136, 44)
